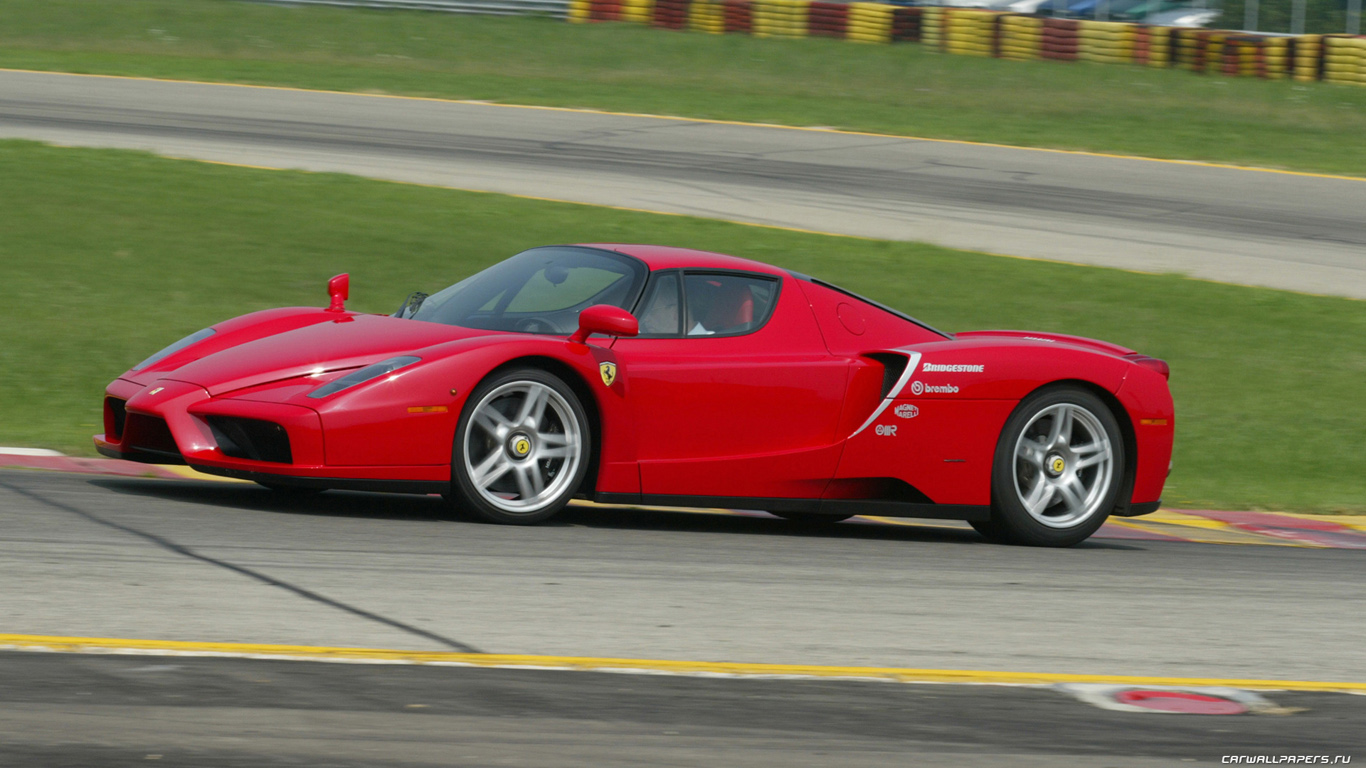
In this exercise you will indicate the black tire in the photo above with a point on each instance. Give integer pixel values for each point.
(512, 498)
(989, 530)
(812, 519)
(1062, 515)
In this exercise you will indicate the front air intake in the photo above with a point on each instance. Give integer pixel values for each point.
(115, 416)
(251, 439)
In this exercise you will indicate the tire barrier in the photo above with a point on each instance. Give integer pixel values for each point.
(670, 14)
(870, 22)
(1339, 59)
(970, 32)
(1021, 37)
(1106, 42)
(906, 24)
(1059, 40)
(1344, 59)
(707, 16)
(932, 28)
(737, 16)
(779, 18)
(828, 20)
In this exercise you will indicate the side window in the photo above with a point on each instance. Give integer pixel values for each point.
(659, 312)
(722, 304)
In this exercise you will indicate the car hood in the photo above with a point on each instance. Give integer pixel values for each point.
(350, 341)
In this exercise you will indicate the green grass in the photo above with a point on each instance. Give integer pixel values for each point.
(901, 89)
(108, 255)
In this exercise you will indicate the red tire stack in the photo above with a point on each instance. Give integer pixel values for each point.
(604, 10)
(906, 25)
(1200, 56)
(1232, 56)
(738, 16)
(827, 19)
(1059, 39)
(1141, 44)
(671, 14)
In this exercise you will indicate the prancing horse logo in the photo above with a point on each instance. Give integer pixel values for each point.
(609, 373)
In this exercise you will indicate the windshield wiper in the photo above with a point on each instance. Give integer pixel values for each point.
(411, 304)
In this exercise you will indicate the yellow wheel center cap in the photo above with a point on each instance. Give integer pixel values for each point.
(519, 446)
(1057, 465)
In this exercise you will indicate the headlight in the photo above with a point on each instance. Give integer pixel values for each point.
(363, 375)
(193, 338)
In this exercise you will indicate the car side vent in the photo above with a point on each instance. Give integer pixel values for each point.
(893, 366)
(251, 439)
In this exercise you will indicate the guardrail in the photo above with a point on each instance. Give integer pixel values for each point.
(552, 8)
(976, 32)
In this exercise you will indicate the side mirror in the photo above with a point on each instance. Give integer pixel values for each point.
(339, 288)
(607, 320)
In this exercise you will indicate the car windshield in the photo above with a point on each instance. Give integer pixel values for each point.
(537, 291)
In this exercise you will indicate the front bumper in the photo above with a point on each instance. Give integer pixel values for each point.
(175, 422)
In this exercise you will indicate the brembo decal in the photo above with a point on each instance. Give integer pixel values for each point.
(921, 388)
(907, 411)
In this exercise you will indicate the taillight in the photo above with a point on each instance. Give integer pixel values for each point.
(1152, 364)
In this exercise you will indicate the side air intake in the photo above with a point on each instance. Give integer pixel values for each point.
(251, 439)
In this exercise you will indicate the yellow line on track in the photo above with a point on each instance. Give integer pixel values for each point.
(100, 645)
(193, 474)
(707, 120)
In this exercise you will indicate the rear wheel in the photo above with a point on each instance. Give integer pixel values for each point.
(521, 447)
(1058, 470)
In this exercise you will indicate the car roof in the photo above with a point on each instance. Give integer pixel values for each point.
(667, 257)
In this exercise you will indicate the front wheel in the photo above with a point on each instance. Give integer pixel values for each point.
(1058, 470)
(521, 447)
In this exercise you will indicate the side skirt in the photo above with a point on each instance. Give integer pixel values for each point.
(876, 507)
(330, 483)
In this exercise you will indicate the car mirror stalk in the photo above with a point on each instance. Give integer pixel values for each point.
(339, 288)
(607, 320)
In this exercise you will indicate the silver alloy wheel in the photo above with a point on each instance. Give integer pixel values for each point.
(522, 447)
(1064, 464)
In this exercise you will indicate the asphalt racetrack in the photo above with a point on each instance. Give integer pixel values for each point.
(1294, 231)
(231, 562)
(102, 556)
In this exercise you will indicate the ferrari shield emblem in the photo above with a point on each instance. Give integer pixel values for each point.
(609, 373)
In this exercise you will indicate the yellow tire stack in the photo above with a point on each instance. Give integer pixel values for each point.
(932, 27)
(1021, 37)
(1307, 48)
(1159, 47)
(638, 11)
(1108, 42)
(1277, 61)
(578, 11)
(1214, 52)
(869, 23)
(779, 18)
(969, 31)
(707, 16)
(1344, 60)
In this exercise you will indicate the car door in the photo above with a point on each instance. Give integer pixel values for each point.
(734, 392)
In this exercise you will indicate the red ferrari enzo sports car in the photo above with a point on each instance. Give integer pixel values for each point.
(640, 374)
